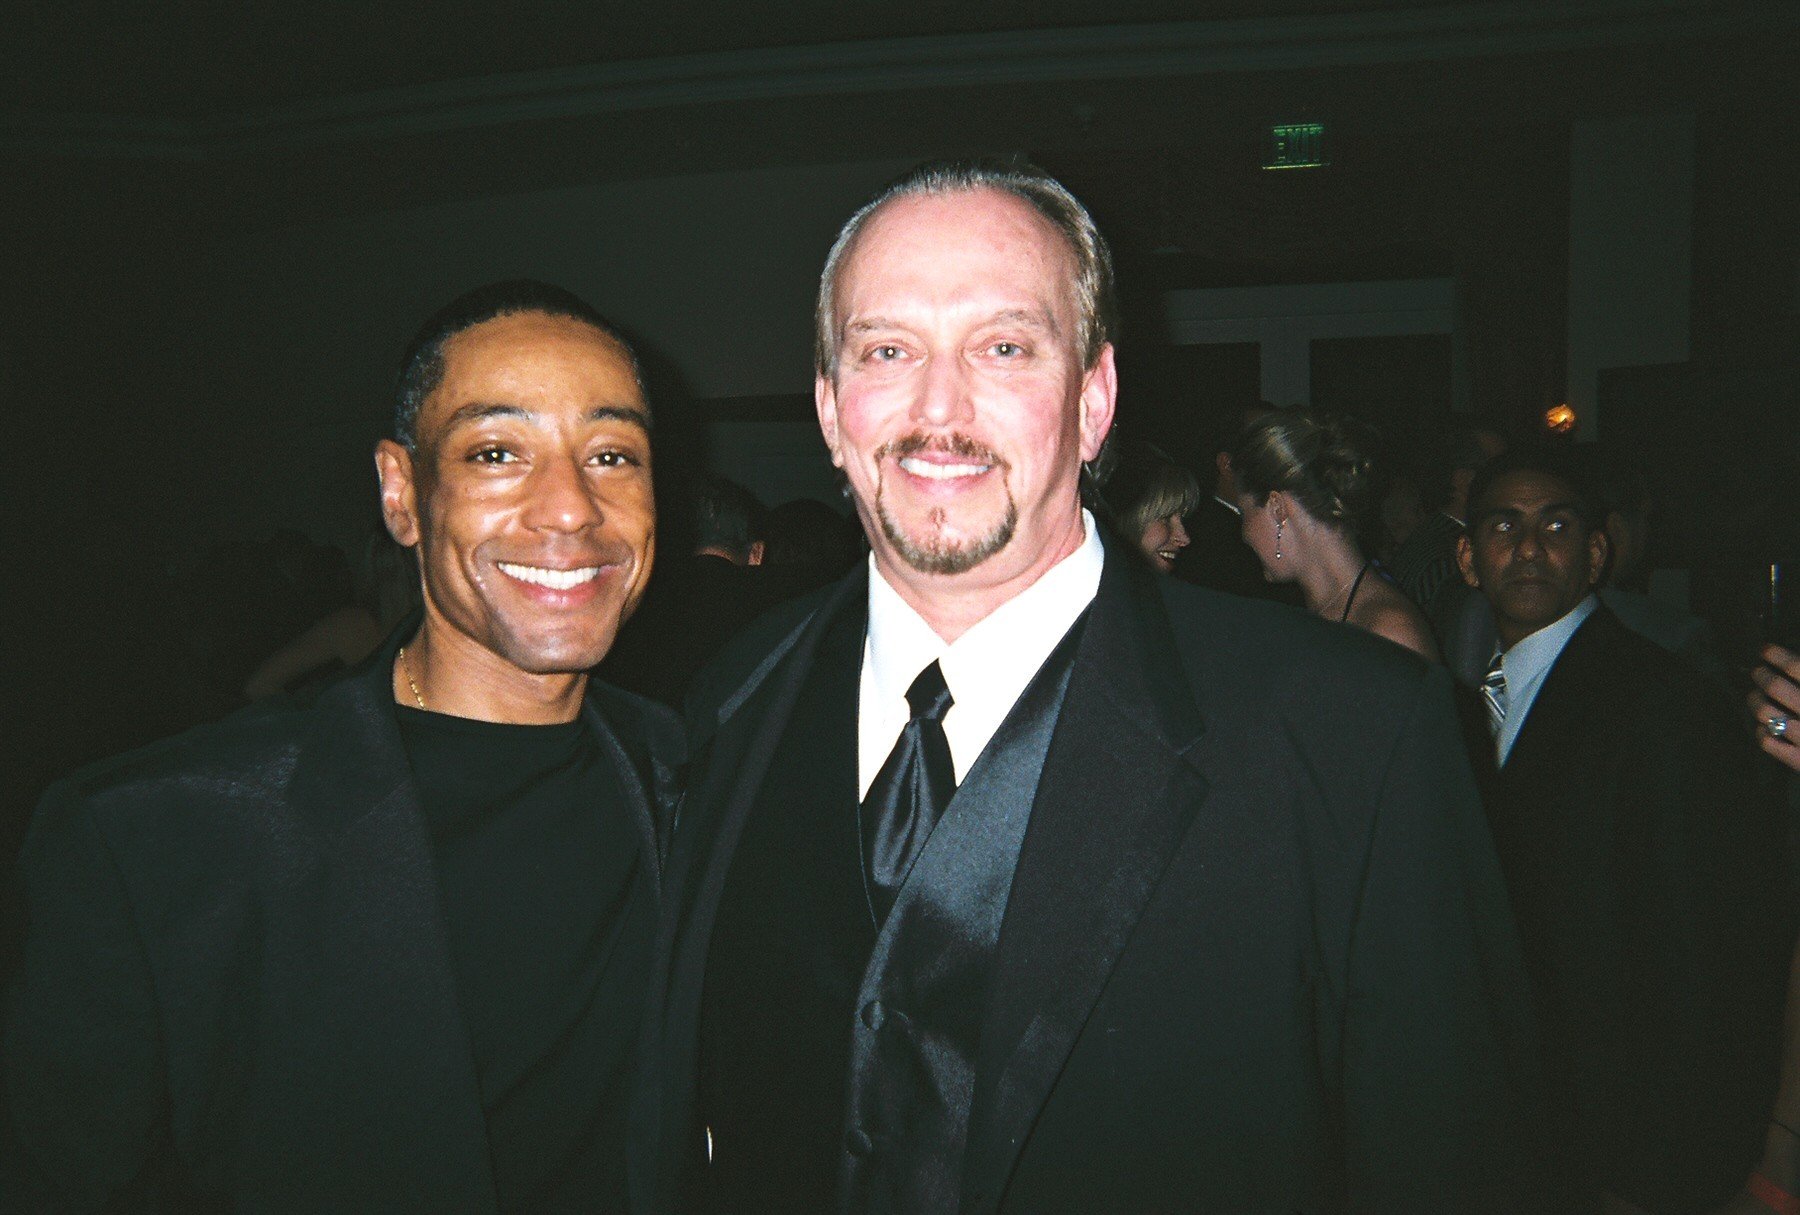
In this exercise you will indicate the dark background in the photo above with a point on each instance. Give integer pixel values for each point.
(220, 224)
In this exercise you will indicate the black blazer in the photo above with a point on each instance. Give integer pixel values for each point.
(1256, 955)
(1643, 846)
(236, 991)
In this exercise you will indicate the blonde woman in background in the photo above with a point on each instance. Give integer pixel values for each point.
(1149, 496)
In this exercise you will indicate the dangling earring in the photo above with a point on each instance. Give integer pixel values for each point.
(1278, 539)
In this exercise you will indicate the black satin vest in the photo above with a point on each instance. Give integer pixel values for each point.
(837, 1065)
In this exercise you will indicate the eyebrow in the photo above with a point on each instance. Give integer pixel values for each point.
(1549, 508)
(481, 411)
(1031, 317)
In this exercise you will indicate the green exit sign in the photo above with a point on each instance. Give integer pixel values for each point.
(1296, 145)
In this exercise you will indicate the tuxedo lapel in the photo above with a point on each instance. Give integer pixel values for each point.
(1562, 708)
(732, 765)
(391, 1037)
(736, 760)
(1116, 797)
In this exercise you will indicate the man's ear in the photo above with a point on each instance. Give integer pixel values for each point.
(1099, 396)
(1465, 561)
(1599, 548)
(825, 401)
(757, 548)
(399, 492)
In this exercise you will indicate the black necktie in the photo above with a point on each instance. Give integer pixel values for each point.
(909, 793)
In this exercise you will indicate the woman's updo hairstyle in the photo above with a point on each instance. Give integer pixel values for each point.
(1325, 462)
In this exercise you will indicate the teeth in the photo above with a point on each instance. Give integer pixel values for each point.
(942, 472)
(556, 580)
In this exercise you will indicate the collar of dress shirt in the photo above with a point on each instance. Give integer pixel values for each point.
(986, 669)
(1527, 664)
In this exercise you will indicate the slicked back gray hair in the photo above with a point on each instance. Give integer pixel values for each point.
(1048, 197)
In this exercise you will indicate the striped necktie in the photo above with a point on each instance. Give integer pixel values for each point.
(1493, 694)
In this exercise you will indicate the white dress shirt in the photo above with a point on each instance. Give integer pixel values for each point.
(1527, 664)
(986, 669)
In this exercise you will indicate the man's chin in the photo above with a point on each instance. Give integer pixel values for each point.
(933, 548)
(562, 655)
(947, 555)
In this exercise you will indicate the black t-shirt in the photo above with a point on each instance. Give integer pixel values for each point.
(549, 911)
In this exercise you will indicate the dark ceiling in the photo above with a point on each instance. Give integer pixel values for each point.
(198, 57)
(282, 113)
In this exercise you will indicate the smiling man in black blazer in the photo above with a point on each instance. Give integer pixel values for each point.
(384, 951)
(1011, 878)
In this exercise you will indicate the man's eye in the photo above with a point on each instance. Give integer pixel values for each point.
(1557, 525)
(615, 459)
(885, 354)
(1007, 350)
(491, 455)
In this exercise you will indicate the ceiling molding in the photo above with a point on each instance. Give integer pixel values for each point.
(1183, 49)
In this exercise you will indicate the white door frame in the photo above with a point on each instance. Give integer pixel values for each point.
(1286, 320)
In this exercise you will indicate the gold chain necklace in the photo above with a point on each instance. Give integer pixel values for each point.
(400, 661)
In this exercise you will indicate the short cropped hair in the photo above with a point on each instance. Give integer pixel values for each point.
(1324, 462)
(1094, 305)
(422, 365)
(1463, 446)
(727, 516)
(1546, 461)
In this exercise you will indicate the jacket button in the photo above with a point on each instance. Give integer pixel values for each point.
(858, 1142)
(873, 1014)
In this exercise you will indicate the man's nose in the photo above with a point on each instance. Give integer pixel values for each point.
(943, 397)
(562, 500)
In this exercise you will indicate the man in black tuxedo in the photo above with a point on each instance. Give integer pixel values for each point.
(1643, 854)
(1014, 878)
(385, 951)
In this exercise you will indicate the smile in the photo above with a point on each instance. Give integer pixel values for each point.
(941, 472)
(556, 580)
(1168, 554)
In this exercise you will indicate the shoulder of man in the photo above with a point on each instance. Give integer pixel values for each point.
(187, 785)
(738, 670)
(1644, 683)
(1278, 683)
(640, 721)
(1234, 646)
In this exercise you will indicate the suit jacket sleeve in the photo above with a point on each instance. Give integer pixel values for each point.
(1437, 1055)
(83, 1071)
(1703, 962)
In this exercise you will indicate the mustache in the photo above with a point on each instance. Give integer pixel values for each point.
(952, 444)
